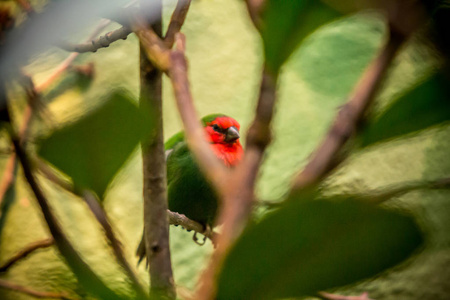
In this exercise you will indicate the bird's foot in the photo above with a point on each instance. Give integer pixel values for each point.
(207, 233)
(197, 241)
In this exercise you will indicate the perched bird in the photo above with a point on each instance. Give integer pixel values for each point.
(189, 192)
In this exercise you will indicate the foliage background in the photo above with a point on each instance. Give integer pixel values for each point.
(224, 51)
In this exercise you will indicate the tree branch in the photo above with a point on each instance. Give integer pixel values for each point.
(238, 200)
(176, 21)
(102, 218)
(25, 252)
(215, 171)
(82, 271)
(156, 223)
(188, 224)
(101, 42)
(154, 48)
(174, 218)
(324, 158)
(25, 290)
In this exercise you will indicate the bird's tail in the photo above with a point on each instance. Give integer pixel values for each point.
(140, 251)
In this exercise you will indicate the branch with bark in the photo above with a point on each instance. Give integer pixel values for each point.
(176, 21)
(103, 41)
(156, 223)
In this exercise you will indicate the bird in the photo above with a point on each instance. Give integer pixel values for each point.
(188, 191)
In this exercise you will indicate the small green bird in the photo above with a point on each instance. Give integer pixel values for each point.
(189, 192)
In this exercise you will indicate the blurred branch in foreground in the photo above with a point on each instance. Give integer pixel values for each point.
(102, 218)
(403, 19)
(176, 22)
(37, 294)
(23, 253)
(85, 275)
(326, 157)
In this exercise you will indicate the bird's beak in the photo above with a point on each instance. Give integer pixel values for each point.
(232, 134)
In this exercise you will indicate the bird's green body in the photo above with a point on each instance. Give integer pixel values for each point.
(189, 192)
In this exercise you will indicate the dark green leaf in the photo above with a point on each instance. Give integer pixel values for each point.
(93, 149)
(284, 23)
(426, 105)
(309, 246)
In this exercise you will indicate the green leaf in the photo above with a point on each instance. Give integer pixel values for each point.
(426, 105)
(309, 246)
(93, 149)
(332, 59)
(284, 23)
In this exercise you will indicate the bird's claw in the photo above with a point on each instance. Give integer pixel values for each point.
(196, 240)
(207, 232)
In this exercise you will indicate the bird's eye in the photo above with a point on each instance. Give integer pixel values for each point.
(216, 127)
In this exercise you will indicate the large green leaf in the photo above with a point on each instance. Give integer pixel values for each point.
(93, 149)
(310, 246)
(284, 23)
(426, 105)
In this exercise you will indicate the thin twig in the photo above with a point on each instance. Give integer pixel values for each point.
(82, 271)
(175, 218)
(176, 21)
(10, 171)
(25, 252)
(102, 218)
(62, 67)
(101, 42)
(156, 223)
(345, 125)
(37, 294)
(188, 224)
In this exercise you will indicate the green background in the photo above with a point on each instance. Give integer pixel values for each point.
(225, 56)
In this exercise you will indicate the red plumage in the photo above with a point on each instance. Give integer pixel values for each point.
(230, 152)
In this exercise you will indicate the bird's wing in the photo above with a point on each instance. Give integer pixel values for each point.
(175, 146)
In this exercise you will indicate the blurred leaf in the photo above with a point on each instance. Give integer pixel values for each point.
(308, 246)
(332, 59)
(426, 105)
(93, 149)
(285, 23)
(74, 79)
